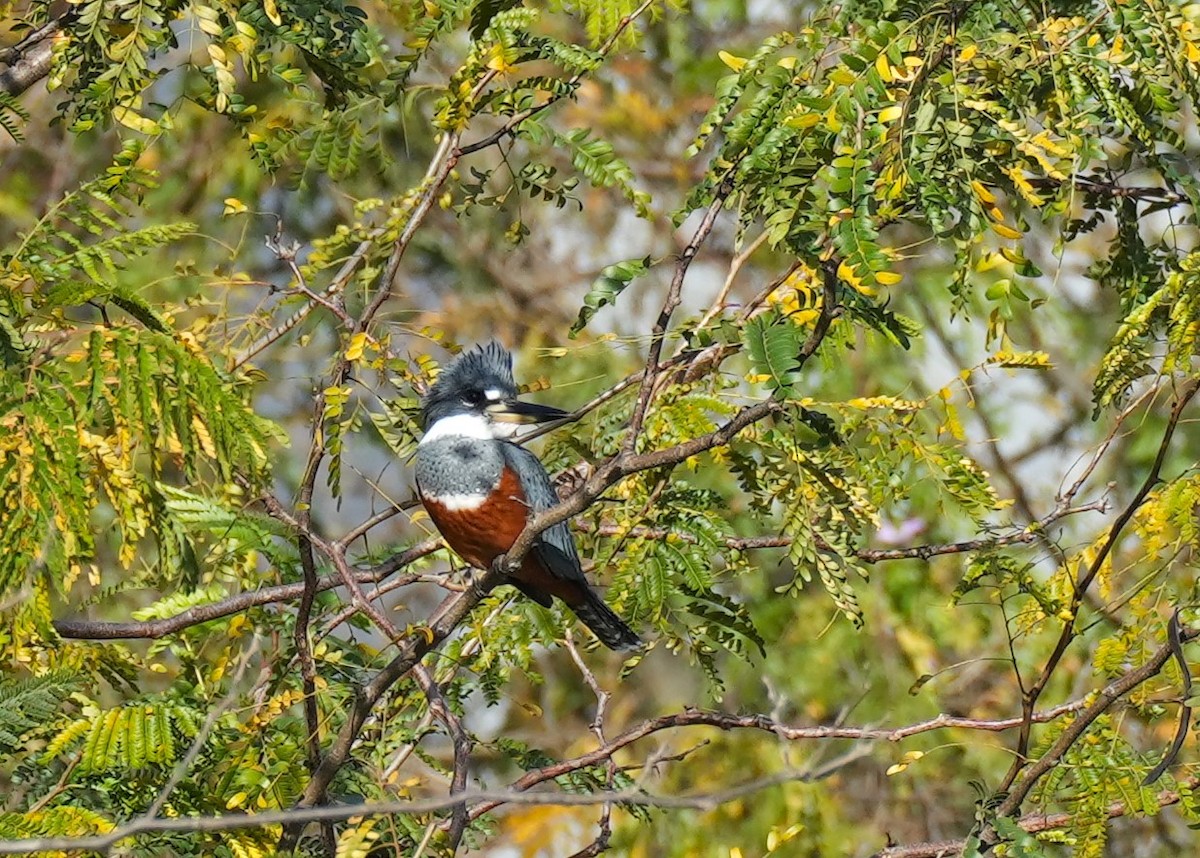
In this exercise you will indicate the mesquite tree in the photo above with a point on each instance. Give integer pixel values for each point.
(878, 323)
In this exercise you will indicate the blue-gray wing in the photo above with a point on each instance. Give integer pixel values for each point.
(554, 547)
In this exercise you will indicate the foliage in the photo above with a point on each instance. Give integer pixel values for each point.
(30, 702)
(939, 238)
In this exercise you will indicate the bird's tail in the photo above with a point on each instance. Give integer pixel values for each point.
(606, 625)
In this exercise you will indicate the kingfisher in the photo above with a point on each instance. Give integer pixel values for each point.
(480, 488)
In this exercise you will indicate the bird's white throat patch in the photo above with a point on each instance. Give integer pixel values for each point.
(474, 426)
(460, 503)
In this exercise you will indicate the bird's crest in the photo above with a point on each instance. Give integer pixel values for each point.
(486, 366)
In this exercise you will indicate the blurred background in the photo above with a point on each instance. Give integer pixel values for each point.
(517, 269)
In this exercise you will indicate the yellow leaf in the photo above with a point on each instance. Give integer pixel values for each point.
(203, 437)
(888, 278)
(968, 53)
(890, 114)
(896, 769)
(804, 120)
(237, 801)
(358, 342)
(233, 206)
(499, 63)
(988, 261)
(832, 122)
(1005, 231)
(847, 273)
(1023, 360)
(132, 119)
(788, 63)
(982, 192)
(272, 10)
(1024, 186)
(735, 63)
(842, 76)
(883, 68)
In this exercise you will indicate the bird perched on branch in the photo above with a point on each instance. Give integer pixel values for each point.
(480, 488)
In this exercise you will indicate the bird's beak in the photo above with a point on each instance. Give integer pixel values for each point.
(516, 411)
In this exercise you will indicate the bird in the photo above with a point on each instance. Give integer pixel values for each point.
(480, 489)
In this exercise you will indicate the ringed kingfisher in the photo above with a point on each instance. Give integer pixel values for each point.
(480, 488)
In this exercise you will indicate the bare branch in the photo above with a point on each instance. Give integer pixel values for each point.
(29, 60)
(1017, 536)
(412, 649)
(674, 296)
(600, 843)
(335, 813)
(153, 629)
(723, 721)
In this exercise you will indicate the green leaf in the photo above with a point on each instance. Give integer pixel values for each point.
(13, 348)
(611, 283)
(774, 344)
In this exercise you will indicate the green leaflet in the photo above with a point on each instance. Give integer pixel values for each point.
(599, 164)
(12, 116)
(129, 737)
(29, 703)
(774, 344)
(611, 283)
(74, 293)
(13, 347)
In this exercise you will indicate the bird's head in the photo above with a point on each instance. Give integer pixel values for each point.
(475, 396)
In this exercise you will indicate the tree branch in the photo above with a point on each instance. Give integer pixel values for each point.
(440, 710)
(154, 629)
(303, 815)
(1018, 536)
(518, 793)
(723, 721)
(1031, 823)
(1105, 698)
(29, 60)
(670, 303)
(1031, 696)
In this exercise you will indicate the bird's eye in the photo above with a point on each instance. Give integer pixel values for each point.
(473, 397)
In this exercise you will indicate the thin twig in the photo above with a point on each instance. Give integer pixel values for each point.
(1034, 692)
(201, 738)
(600, 843)
(674, 296)
(29, 60)
(303, 815)
(441, 711)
